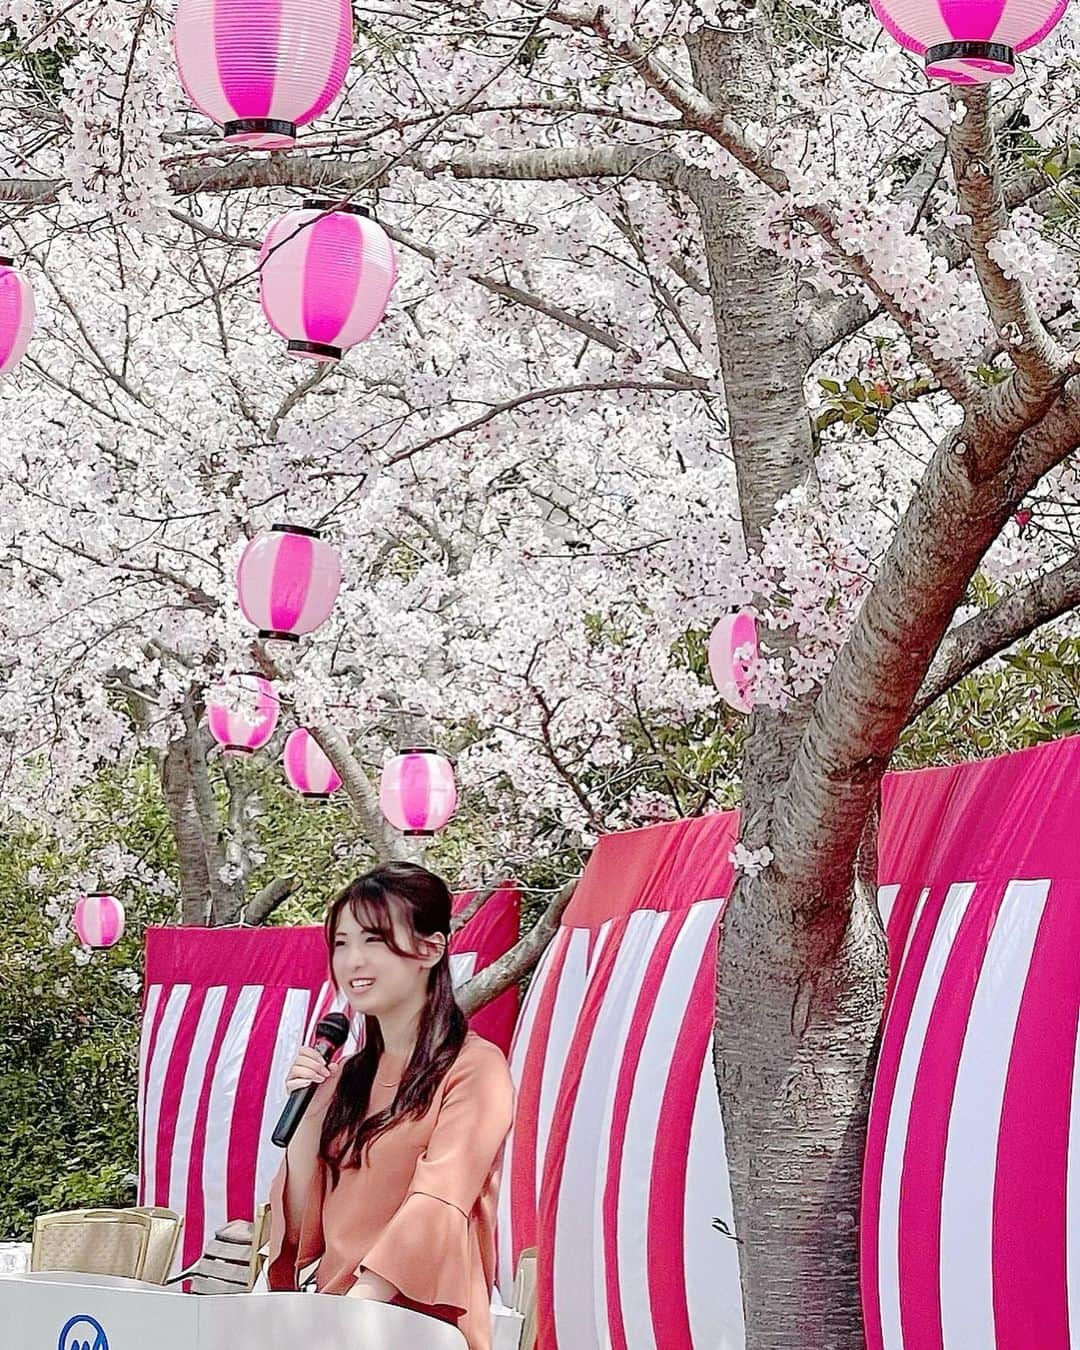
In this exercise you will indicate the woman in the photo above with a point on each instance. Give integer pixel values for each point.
(391, 1180)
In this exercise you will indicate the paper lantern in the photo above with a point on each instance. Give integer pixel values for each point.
(968, 41)
(246, 730)
(16, 315)
(325, 276)
(262, 68)
(307, 767)
(731, 673)
(99, 920)
(418, 794)
(287, 581)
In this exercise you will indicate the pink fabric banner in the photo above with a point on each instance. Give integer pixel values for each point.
(224, 1013)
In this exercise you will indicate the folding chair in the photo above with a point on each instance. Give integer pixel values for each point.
(525, 1296)
(166, 1228)
(98, 1242)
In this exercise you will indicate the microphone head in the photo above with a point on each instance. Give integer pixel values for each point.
(334, 1028)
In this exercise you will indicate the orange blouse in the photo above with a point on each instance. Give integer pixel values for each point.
(421, 1211)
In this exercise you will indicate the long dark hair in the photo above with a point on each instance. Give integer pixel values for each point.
(425, 902)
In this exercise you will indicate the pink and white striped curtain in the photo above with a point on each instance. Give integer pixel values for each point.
(616, 1171)
(224, 1012)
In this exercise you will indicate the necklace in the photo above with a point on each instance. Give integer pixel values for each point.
(393, 1084)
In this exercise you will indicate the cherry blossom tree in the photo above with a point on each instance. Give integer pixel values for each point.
(702, 306)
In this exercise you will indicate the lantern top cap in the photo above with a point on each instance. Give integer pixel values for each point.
(325, 204)
(306, 530)
(422, 750)
(6, 260)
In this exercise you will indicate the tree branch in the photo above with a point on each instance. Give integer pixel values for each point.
(263, 903)
(512, 967)
(954, 515)
(1041, 362)
(996, 629)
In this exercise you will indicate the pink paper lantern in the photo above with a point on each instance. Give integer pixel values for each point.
(307, 767)
(287, 581)
(262, 68)
(968, 41)
(16, 315)
(99, 920)
(325, 276)
(737, 633)
(418, 794)
(244, 731)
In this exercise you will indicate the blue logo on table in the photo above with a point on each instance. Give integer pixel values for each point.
(83, 1333)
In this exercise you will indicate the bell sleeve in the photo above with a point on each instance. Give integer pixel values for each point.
(424, 1249)
(293, 1246)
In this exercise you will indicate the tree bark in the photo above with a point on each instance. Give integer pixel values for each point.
(187, 833)
(798, 998)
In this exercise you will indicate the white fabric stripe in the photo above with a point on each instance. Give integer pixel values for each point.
(886, 898)
(187, 1109)
(640, 1150)
(226, 1075)
(904, 943)
(290, 1036)
(967, 1201)
(564, 1017)
(1072, 1207)
(155, 1082)
(956, 902)
(713, 1283)
(462, 967)
(519, 1048)
(580, 1304)
(153, 998)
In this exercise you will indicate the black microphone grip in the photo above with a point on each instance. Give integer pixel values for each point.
(331, 1033)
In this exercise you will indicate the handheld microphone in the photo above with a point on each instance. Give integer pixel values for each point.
(330, 1035)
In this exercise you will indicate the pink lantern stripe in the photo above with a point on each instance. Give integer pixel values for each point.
(923, 1177)
(1031, 1277)
(245, 48)
(291, 231)
(310, 73)
(320, 772)
(332, 275)
(369, 302)
(289, 580)
(199, 75)
(414, 788)
(16, 317)
(1052, 20)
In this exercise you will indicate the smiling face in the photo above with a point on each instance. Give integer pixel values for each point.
(376, 979)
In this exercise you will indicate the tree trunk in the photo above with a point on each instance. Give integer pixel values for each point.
(798, 1012)
(187, 833)
(799, 987)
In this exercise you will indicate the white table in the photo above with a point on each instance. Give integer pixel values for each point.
(58, 1311)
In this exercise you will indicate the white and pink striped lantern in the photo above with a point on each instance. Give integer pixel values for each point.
(733, 652)
(307, 768)
(242, 713)
(287, 581)
(99, 920)
(968, 41)
(16, 315)
(418, 794)
(325, 276)
(262, 68)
